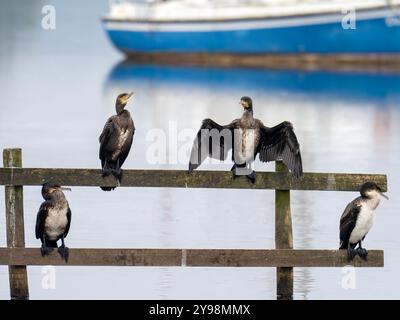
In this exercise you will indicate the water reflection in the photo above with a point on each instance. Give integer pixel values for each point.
(379, 88)
(303, 228)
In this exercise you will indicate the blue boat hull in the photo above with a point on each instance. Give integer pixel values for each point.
(374, 35)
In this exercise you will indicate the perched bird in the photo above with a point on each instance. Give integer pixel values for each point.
(53, 220)
(357, 219)
(116, 140)
(247, 137)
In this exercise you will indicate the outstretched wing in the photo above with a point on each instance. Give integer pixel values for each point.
(105, 137)
(348, 222)
(40, 220)
(280, 143)
(212, 140)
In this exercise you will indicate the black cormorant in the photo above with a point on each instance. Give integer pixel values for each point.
(357, 219)
(247, 137)
(53, 220)
(116, 140)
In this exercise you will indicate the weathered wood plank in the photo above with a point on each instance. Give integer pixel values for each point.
(94, 257)
(198, 179)
(18, 276)
(283, 238)
(191, 257)
(278, 258)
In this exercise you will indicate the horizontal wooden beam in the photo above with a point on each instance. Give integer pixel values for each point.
(181, 179)
(191, 258)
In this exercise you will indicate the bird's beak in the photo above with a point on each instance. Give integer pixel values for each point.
(385, 196)
(65, 189)
(125, 101)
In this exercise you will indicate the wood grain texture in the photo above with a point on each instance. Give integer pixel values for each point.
(191, 257)
(283, 238)
(198, 179)
(18, 276)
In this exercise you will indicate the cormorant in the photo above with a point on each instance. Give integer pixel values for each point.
(247, 137)
(357, 219)
(53, 220)
(116, 140)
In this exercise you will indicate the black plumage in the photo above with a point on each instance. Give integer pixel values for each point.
(348, 222)
(116, 140)
(53, 220)
(357, 219)
(247, 137)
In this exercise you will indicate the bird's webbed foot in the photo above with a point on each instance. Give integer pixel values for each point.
(119, 175)
(363, 253)
(45, 250)
(192, 167)
(240, 170)
(252, 177)
(105, 173)
(351, 253)
(64, 252)
(234, 174)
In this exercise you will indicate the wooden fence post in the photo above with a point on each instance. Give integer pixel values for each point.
(283, 238)
(15, 227)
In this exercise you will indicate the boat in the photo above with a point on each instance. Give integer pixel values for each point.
(254, 27)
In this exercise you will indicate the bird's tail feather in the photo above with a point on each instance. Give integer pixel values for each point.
(107, 188)
(111, 169)
(51, 244)
(108, 168)
(343, 245)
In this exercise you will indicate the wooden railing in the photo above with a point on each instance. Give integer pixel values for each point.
(283, 257)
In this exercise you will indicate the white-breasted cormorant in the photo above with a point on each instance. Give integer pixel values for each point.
(53, 220)
(116, 140)
(357, 219)
(247, 137)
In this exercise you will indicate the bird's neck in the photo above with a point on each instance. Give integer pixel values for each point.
(125, 114)
(248, 113)
(58, 196)
(119, 108)
(372, 202)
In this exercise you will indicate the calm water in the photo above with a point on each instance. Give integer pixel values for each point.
(57, 89)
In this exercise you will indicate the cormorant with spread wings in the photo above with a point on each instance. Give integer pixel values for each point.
(247, 137)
